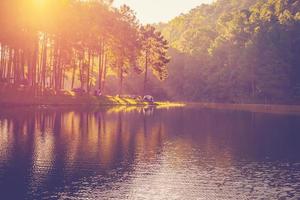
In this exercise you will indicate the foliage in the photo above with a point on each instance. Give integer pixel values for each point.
(65, 44)
(236, 51)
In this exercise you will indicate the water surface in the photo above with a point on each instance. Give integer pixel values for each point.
(136, 153)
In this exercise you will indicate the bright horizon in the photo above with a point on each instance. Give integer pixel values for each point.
(155, 11)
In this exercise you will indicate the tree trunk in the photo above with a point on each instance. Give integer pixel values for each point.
(51, 66)
(10, 62)
(146, 73)
(121, 78)
(73, 75)
(16, 67)
(88, 73)
(101, 65)
(62, 86)
(44, 62)
(104, 74)
(81, 73)
(35, 63)
(100, 71)
(22, 65)
(59, 72)
(2, 61)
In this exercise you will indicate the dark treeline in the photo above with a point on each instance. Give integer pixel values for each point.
(52, 45)
(242, 51)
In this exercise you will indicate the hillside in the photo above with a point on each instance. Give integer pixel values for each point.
(236, 51)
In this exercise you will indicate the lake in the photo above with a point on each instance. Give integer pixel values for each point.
(147, 153)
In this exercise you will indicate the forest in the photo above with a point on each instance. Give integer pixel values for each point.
(237, 51)
(51, 47)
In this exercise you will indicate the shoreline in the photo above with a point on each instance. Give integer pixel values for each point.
(90, 101)
(263, 108)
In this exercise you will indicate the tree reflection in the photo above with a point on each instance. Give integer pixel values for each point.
(51, 150)
(57, 146)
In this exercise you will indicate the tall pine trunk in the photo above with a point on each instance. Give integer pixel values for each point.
(100, 70)
(88, 88)
(73, 76)
(2, 61)
(146, 73)
(10, 63)
(104, 74)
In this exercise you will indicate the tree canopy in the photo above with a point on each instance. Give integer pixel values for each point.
(236, 51)
(64, 44)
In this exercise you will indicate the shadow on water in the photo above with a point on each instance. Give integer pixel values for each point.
(116, 152)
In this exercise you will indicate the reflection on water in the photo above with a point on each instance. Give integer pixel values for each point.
(136, 153)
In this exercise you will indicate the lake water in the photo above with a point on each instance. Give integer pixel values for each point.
(136, 153)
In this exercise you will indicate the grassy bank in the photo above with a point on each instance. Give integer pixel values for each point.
(28, 100)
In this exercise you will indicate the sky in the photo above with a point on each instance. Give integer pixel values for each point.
(154, 11)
